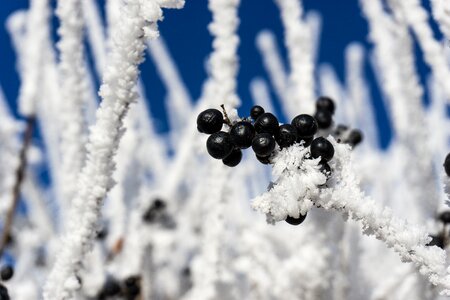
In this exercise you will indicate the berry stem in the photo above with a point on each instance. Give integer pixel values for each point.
(225, 116)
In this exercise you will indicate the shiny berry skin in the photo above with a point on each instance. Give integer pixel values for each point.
(6, 272)
(306, 141)
(324, 119)
(242, 134)
(256, 111)
(325, 103)
(4, 293)
(219, 145)
(306, 125)
(233, 159)
(267, 123)
(287, 135)
(447, 165)
(321, 147)
(296, 221)
(210, 121)
(444, 217)
(436, 240)
(265, 160)
(263, 144)
(355, 137)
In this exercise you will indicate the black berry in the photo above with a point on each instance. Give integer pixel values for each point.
(447, 164)
(3, 293)
(210, 121)
(263, 159)
(325, 103)
(267, 123)
(219, 145)
(445, 217)
(155, 211)
(287, 135)
(6, 272)
(132, 286)
(233, 159)
(296, 221)
(436, 240)
(355, 137)
(340, 129)
(306, 125)
(263, 144)
(256, 111)
(242, 134)
(111, 288)
(324, 119)
(102, 233)
(321, 147)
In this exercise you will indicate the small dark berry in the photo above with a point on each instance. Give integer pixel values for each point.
(321, 147)
(287, 135)
(219, 145)
(233, 159)
(242, 134)
(265, 160)
(306, 125)
(324, 119)
(256, 111)
(296, 221)
(340, 129)
(355, 137)
(436, 240)
(4, 293)
(6, 272)
(325, 103)
(111, 287)
(306, 141)
(158, 204)
(267, 123)
(447, 165)
(445, 217)
(210, 121)
(102, 233)
(263, 144)
(325, 168)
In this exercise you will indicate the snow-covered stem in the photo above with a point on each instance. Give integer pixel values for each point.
(266, 43)
(298, 42)
(441, 13)
(138, 21)
(178, 102)
(417, 18)
(73, 90)
(261, 94)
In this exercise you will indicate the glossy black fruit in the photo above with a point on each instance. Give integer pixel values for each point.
(444, 217)
(287, 135)
(306, 141)
(267, 123)
(219, 145)
(210, 121)
(265, 160)
(324, 119)
(321, 147)
(3, 293)
(355, 137)
(447, 164)
(233, 159)
(6, 272)
(306, 125)
(263, 144)
(325, 103)
(256, 111)
(296, 221)
(242, 134)
(436, 240)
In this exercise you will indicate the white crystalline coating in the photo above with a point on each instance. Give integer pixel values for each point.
(95, 179)
(441, 13)
(291, 185)
(299, 45)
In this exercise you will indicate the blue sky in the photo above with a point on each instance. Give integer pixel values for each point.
(189, 41)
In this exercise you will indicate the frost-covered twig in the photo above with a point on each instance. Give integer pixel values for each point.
(137, 22)
(441, 13)
(261, 94)
(299, 45)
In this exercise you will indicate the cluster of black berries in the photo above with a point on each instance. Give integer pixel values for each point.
(6, 273)
(442, 239)
(129, 288)
(263, 132)
(157, 213)
(346, 135)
